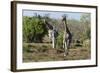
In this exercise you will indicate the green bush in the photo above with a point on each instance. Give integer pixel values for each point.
(34, 29)
(60, 40)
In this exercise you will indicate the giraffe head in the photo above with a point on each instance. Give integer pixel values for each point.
(64, 19)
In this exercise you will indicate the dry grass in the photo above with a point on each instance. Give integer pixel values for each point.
(44, 52)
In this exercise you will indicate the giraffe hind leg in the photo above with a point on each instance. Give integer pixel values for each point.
(66, 49)
(67, 44)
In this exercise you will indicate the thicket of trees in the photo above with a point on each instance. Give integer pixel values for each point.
(34, 28)
(85, 21)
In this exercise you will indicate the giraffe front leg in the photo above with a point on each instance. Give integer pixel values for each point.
(67, 44)
(65, 53)
(66, 47)
(63, 43)
(53, 42)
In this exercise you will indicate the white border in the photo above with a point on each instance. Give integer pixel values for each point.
(21, 65)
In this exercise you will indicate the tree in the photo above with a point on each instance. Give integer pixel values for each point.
(85, 20)
(34, 29)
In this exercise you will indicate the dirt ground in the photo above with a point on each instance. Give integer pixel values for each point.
(44, 52)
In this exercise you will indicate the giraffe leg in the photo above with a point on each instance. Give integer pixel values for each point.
(63, 43)
(67, 44)
(53, 42)
(66, 49)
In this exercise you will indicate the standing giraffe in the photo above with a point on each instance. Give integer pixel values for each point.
(67, 36)
(52, 33)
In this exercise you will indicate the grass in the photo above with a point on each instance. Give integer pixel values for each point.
(40, 52)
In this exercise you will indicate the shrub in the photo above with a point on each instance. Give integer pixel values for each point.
(60, 40)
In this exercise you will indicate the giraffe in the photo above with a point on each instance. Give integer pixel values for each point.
(67, 37)
(52, 33)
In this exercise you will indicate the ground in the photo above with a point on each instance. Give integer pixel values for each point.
(41, 52)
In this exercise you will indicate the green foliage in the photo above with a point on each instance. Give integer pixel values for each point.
(33, 29)
(60, 40)
(87, 33)
(85, 20)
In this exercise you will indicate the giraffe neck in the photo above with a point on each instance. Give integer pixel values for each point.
(66, 28)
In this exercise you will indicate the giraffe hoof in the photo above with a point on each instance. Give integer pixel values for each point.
(64, 54)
